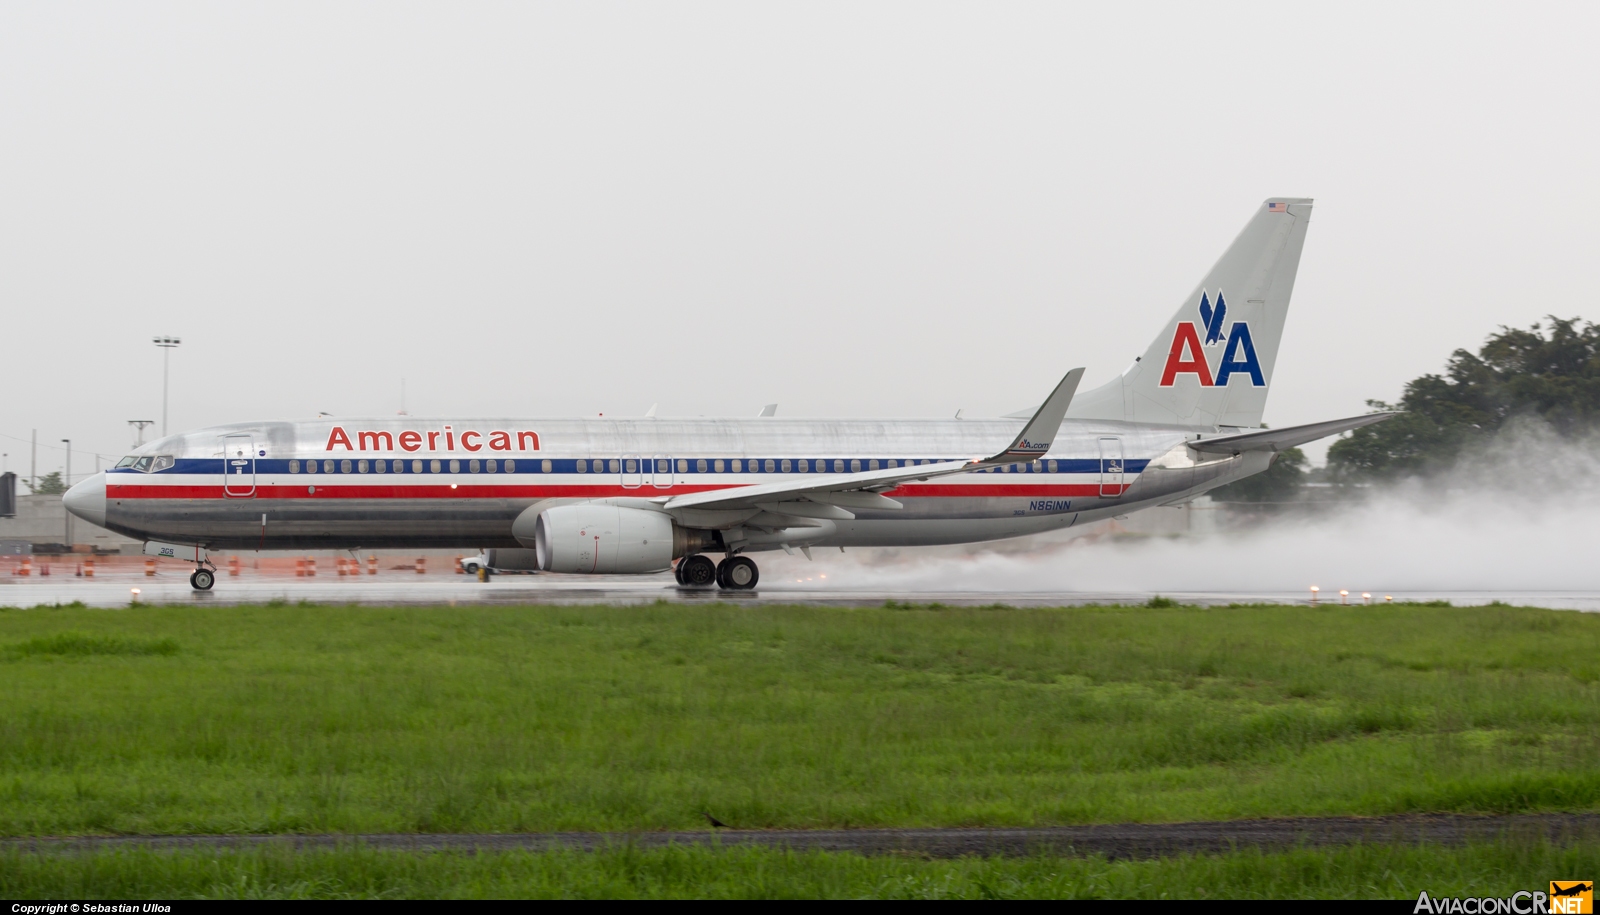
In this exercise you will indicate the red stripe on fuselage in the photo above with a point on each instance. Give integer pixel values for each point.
(606, 491)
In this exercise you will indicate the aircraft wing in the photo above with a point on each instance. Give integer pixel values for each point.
(1288, 437)
(864, 489)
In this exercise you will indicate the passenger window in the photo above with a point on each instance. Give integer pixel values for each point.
(380, 465)
(838, 465)
(434, 466)
(511, 466)
(872, 464)
(633, 466)
(893, 463)
(1051, 465)
(311, 466)
(738, 466)
(491, 465)
(344, 466)
(455, 466)
(361, 467)
(416, 465)
(805, 466)
(771, 466)
(327, 467)
(700, 466)
(473, 466)
(855, 465)
(616, 466)
(399, 466)
(583, 466)
(546, 466)
(683, 466)
(717, 465)
(785, 466)
(1038, 467)
(294, 466)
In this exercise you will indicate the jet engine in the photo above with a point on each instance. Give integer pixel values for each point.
(599, 538)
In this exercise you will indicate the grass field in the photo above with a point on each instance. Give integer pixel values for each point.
(343, 719)
(1376, 872)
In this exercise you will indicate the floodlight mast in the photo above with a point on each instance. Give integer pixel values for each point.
(166, 344)
(138, 429)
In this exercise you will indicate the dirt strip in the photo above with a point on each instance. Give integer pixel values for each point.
(1128, 840)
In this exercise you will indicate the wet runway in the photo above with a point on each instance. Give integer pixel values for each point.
(172, 587)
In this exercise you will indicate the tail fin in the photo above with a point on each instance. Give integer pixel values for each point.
(1212, 364)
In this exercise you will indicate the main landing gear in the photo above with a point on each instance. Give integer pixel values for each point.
(697, 571)
(735, 573)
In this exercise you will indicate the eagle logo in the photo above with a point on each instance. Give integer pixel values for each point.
(1212, 318)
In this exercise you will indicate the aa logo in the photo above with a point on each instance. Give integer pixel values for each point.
(1572, 897)
(1187, 356)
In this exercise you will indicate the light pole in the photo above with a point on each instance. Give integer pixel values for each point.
(138, 429)
(67, 533)
(166, 344)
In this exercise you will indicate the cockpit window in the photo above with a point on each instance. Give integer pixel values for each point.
(127, 461)
(163, 461)
(143, 464)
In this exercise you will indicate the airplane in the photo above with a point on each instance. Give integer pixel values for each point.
(654, 494)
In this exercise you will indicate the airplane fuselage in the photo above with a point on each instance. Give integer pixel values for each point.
(367, 484)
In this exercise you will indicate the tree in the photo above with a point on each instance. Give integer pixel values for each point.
(1553, 377)
(1279, 483)
(49, 485)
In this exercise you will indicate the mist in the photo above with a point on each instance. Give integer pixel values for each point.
(1516, 516)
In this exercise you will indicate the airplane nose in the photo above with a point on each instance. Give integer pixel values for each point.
(87, 500)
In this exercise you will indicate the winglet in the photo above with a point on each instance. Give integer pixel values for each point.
(770, 409)
(1040, 431)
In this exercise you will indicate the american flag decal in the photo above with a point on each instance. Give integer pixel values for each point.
(1277, 206)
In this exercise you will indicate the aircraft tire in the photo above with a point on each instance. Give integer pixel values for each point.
(697, 571)
(738, 573)
(202, 580)
(677, 571)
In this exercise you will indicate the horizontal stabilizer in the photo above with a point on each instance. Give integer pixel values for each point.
(1289, 437)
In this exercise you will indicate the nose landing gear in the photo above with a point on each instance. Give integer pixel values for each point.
(202, 579)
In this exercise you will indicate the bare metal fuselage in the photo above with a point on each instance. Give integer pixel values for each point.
(416, 483)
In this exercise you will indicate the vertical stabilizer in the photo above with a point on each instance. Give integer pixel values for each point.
(1212, 363)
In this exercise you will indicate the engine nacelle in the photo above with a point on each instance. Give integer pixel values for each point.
(597, 538)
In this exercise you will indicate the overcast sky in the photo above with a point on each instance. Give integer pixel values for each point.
(855, 209)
